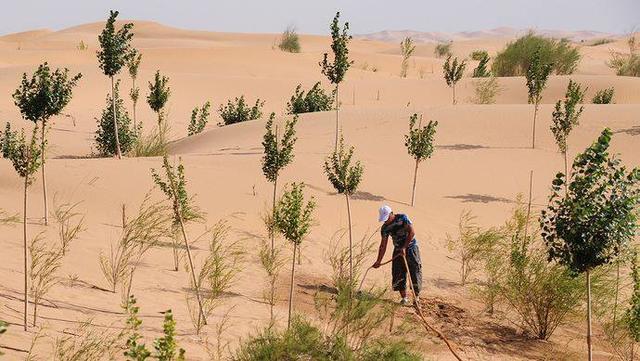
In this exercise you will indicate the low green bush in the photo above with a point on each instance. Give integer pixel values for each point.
(478, 55)
(442, 50)
(239, 111)
(105, 134)
(314, 100)
(290, 41)
(604, 96)
(625, 64)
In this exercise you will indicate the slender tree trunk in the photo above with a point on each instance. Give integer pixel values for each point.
(24, 245)
(35, 310)
(115, 119)
(454, 93)
(175, 250)
(300, 255)
(526, 225)
(615, 304)
(44, 177)
(273, 214)
(566, 173)
(293, 271)
(535, 115)
(589, 348)
(337, 117)
(135, 129)
(350, 240)
(415, 179)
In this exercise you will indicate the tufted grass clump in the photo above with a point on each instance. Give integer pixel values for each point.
(290, 41)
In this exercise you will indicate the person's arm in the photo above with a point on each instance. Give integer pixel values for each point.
(410, 236)
(382, 250)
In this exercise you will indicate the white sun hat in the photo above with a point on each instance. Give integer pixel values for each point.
(383, 213)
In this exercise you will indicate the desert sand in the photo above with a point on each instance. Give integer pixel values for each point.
(481, 163)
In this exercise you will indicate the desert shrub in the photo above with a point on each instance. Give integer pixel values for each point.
(603, 96)
(515, 58)
(481, 70)
(272, 261)
(442, 50)
(625, 64)
(453, 72)
(199, 119)
(82, 46)
(314, 100)
(86, 342)
(602, 41)
(290, 41)
(478, 55)
(152, 144)
(486, 90)
(407, 48)
(159, 93)
(105, 136)
(239, 111)
(8, 218)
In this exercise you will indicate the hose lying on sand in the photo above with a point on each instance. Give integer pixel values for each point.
(416, 304)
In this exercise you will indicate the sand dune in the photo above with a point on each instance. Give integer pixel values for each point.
(482, 162)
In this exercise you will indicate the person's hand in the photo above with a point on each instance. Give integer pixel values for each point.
(376, 265)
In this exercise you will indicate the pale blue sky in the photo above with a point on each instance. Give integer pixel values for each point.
(312, 16)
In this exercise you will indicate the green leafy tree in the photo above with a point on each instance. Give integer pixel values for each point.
(314, 100)
(336, 70)
(481, 70)
(278, 153)
(293, 219)
(565, 118)
(537, 76)
(115, 51)
(345, 177)
(44, 95)
(290, 41)
(107, 142)
(419, 143)
(407, 48)
(591, 223)
(239, 111)
(173, 185)
(133, 66)
(453, 72)
(199, 119)
(604, 96)
(159, 93)
(26, 157)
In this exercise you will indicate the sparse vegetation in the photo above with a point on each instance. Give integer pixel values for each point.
(336, 70)
(86, 342)
(453, 72)
(293, 219)
(115, 51)
(315, 100)
(3, 329)
(625, 64)
(517, 56)
(481, 70)
(39, 98)
(537, 75)
(290, 41)
(199, 119)
(604, 96)
(565, 117)
(133, 66)
(345, 176)
(108, 143)
(486, 90)
(82, 46)
(602, 41)
(407, 47)
(419, 143)
(591, 223)
(442, 50)
(159, 93)
(478, 55)
(239, 111)
(153, 144)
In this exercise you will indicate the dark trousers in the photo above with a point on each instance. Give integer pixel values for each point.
(399, 272)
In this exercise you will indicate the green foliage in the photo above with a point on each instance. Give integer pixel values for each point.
(590, 224)
(315, 100)
(478, 55)
(486, 90)
(419, 141)
(199, 119)
(159, 93)
(115, 46)
(136, 351)
(625, 64)
(278, 153)
(293, 217)
(517, 56)
(344, 176)
(152, 144)
(389, 351)
(632, 316)
(239, 111)
(25, 155)
(537, 75)
(45, 94)
(3, 329)
(481, 70)
(340, 38)
(290, 41)
(174, 186)
(566, 114)
(105, 135)
(604, 96)
(133, 65)
(453, 71)
(443, 50)
(82, 46)
(166, 346)
(407, 48)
